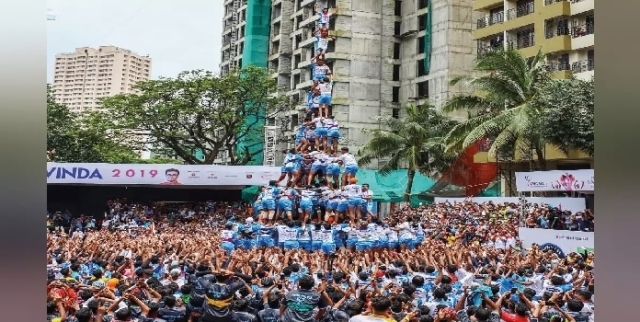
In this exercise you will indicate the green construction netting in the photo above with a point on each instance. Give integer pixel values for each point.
(427, 39)
(585, 249)
(391, 188)
(255, 53)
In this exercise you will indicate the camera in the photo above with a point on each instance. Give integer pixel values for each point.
(333, 255)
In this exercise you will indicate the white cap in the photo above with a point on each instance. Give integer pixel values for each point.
(249, 220)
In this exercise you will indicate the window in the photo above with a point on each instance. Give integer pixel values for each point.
(396, 28)
(331, 47)
(422, 4)
(423, 89)
(421, 71)
(563, 62)
(396, 50)
(396, 73)
(591, 23)
(422, 22)
(398, 8)
(395, 113)
(421, 43)
(395, 96)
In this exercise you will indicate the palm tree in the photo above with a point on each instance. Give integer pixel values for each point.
(416, 142)
(501, 108)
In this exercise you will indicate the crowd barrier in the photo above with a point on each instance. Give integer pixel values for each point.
(562, 242)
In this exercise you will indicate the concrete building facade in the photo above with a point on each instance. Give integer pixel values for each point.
(563, 29)
(81, 78)
(377, 57)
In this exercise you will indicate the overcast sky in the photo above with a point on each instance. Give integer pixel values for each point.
(177, 35)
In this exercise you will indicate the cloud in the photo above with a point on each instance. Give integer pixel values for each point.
(177, 35)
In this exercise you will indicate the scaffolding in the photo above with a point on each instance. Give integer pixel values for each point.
(270, 142)
(233, 50)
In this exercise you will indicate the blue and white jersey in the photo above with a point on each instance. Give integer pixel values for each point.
(331, 124)
(310, 99)
(271, 192)
(289, 234)
(290, 158)
(228, 236)
(319, 72)
(307, 195)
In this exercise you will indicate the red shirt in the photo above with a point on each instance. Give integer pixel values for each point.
(508, 317)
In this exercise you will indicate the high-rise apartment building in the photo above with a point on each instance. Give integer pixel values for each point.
(563, 29)
(382, 53)
(86, 75)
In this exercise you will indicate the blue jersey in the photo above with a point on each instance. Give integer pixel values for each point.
(290, 158)
(266, 231)
(301, 129)
(290, 193)
(271, 192)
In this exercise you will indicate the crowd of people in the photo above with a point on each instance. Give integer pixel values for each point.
(311, 249)
(214, 261)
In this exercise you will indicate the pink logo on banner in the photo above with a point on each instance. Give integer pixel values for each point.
(568, 182)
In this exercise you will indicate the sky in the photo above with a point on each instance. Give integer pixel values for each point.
(177, 35)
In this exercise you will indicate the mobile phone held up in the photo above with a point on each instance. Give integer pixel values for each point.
(514, 290)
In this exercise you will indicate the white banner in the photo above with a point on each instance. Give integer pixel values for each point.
(561, 242)
(160, 174)
(556, 180)
(572, 204)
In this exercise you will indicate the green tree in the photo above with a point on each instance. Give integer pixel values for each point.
(567, 114)
(196, 111)
(415, 142)
(71, 138)
(501, 108)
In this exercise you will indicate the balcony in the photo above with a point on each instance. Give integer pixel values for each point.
(550, 2)
(582, 36)
(483, 49)
(306, 85)
(520, 11)
(583, 69)
(490, 20)
(583, 30)
(304, 64)
(305, 3)
(520, 42)
(309, 22)
(555, 29)
(330, 56)
(309, 42)
(559, 66)
(581, 6)
(583, 66)
(480, 5)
